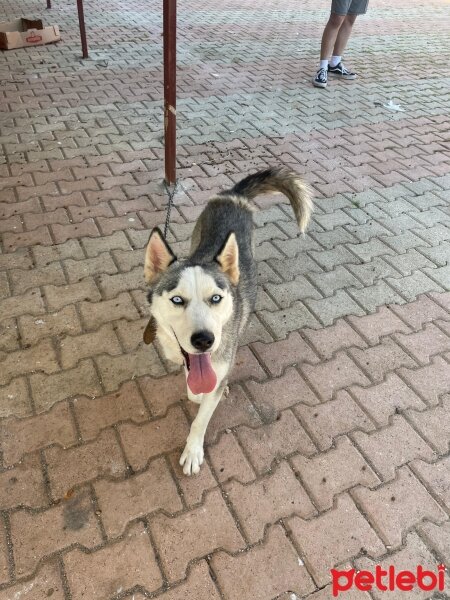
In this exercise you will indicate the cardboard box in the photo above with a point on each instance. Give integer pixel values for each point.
(26, 32)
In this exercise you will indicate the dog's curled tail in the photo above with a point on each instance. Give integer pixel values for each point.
(279, 180)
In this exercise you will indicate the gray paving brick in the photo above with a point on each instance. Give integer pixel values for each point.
(368, 250)
(376, 295)
(285, 294)
(404, 242)
(441, 275)
(289, 268)
(331, 239)
(334, 280)
(427, 200)
(329, 309)
(284, 321)
(435, 235)
(413, 285)
(329, 259)
(369, 230)
(409, 262)
(334, 219)
(439, 255)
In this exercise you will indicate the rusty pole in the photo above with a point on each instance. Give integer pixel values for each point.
(170, 85)
(84, 47)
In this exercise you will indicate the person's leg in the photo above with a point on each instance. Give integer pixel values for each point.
(343, 35)
(329, 37)
(330, 34)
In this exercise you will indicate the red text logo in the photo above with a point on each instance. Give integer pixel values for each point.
(388, 580)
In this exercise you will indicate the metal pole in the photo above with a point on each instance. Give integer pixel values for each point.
(49, 3)
(82, 28)
(170, 88)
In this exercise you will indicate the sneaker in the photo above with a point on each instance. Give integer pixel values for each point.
(341, 71)
(320, 79)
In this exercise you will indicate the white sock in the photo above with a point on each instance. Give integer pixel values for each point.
(324, 64)
(335, 60)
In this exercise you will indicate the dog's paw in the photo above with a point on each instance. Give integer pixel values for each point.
(192, 458)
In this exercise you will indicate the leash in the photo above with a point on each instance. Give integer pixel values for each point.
(150, 330)
(171, 194)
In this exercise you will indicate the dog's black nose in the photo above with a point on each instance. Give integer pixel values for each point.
(202, 340)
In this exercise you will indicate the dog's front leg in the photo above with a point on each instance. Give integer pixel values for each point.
(192, 456)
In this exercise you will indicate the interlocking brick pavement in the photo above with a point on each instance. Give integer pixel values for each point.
(332, 448)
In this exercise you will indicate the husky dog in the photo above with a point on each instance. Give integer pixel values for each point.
(200, 305)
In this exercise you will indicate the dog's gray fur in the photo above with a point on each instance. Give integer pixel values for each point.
(226, 214)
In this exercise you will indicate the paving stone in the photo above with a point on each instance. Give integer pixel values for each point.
(45, 584)
(232, 411)
(333, 338)
(429, 382)
(142, 442)
(276, 440)
(4, 566)
(278, 394)
(36, 535)
(277, 495)
(271, 569)
(413, 285)
(387, 398)
(49, 389)
(278, 355)
(396, 507)
(434, 424)
(137, 496)
(95, 414)
(64, 321)
(198, 586)
(132, 560)
(414, 552)
(286, 293)
(203, 529)
(284, 321)
(330, 259)
(229, 461)
(21, 436)
(326, 421)
(437, 537)
(334, 537)
(383, 322)
(392, 447)
(16, 399)
(329, 309)
(435, 477)
(326, 475)
(372, 271)
(381, 359)
(69, 467)
(333, 375)
(374, 296)
(423, 345)
(23, 485)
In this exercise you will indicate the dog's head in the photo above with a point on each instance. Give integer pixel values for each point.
(192, 303)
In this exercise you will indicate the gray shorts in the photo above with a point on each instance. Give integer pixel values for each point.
(349, 7)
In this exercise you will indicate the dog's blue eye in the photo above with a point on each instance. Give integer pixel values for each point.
(178, 300)
(216, 299)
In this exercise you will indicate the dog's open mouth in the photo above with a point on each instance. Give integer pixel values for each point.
(201, 377)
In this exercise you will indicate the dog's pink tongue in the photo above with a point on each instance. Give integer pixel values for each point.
(201, 377)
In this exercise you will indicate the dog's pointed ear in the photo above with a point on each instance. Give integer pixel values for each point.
(158, 256)
(228, 258)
